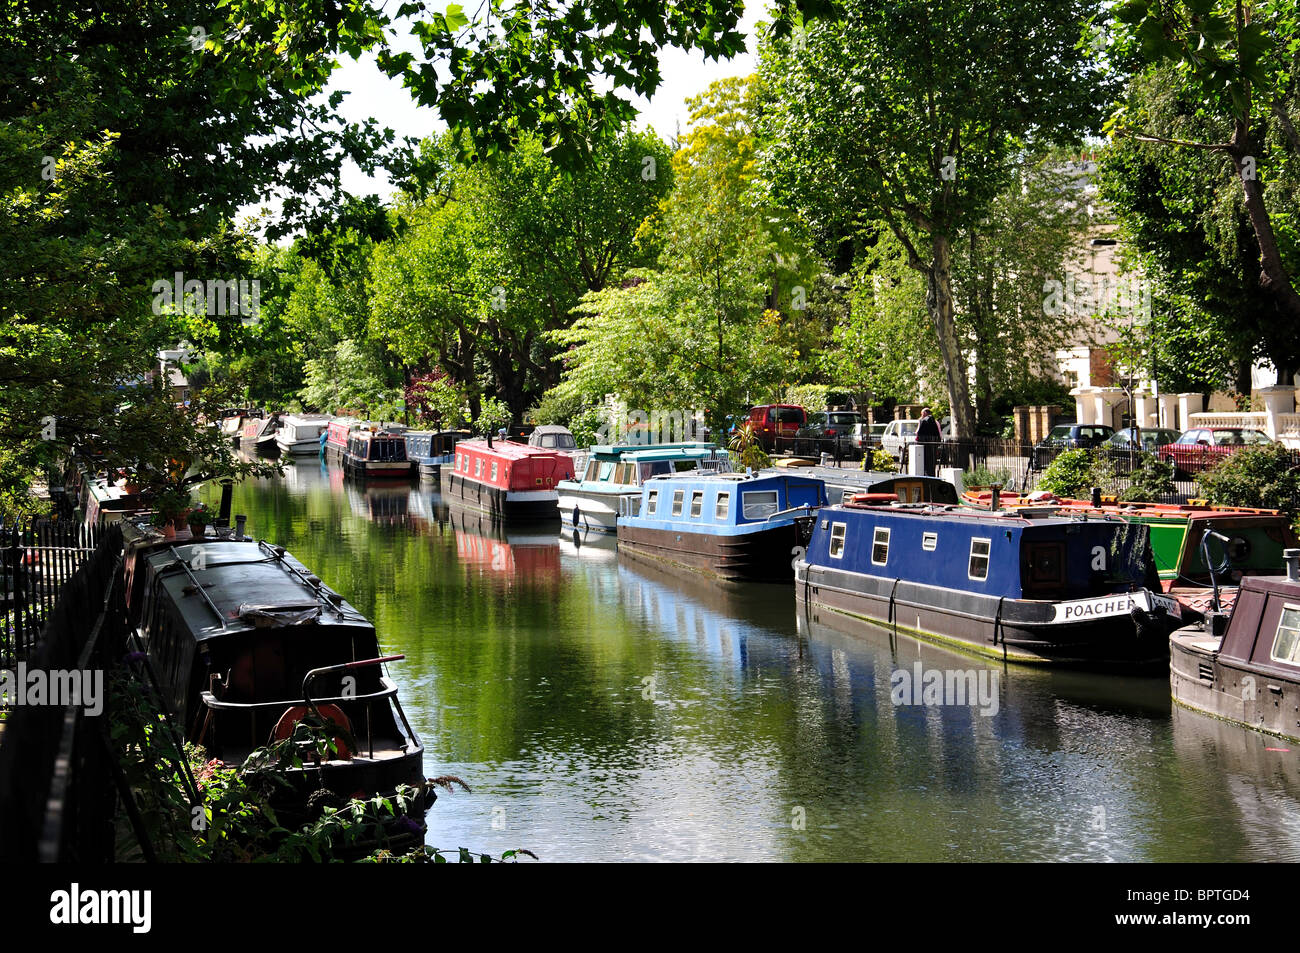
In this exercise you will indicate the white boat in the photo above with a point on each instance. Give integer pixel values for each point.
(614, 474)
(299, 434)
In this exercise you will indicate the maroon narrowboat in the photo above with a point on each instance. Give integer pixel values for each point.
(508, 480)
(1251, 673)
(336, 436)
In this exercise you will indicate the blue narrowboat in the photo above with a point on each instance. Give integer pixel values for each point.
(613, 475)
(737, 526)
(1022, 588)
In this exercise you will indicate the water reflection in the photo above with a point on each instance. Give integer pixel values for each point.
(605, 707)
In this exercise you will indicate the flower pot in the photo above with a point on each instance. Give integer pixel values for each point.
(197, 529)
(168, 530)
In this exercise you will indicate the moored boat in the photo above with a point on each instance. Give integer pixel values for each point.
(613, 475)
(299, 434)
(1042, 589)
(336, 437)
(738, 526)
(506, 479)
(844, 483)
(1249, 674)
(374, 453)
(1254, 540)
(246, 643)
(431, 450)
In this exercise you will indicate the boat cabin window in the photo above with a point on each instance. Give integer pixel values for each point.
(880, 546)
(758, 504)
(593, 468)
(909, 492)
(837, 540)
(1286, 643)
(723, 506)
(697, 503)
(606, 470)
(494, 471)
(929, 542)
(626, 474)
(847, 495)
(652, 501)
(657, 468)
(678, 496)
(684, 466)
(478, 467)
(979, 559)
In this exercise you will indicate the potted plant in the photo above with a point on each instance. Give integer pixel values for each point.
(170, 507)
(199, 518)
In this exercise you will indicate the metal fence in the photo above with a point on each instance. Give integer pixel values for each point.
(57, 768)
(37, 558)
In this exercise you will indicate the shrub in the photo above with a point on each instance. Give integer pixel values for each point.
(1070, 474)
(811, 397)
(1150, 480)
(880, 461)
(983, 476)
(1260, 476)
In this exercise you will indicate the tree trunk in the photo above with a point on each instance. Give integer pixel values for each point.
(938, 301)
(1273, 277)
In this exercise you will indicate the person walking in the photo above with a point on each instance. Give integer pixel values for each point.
(928, 438)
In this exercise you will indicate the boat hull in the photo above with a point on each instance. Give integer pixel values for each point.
(376, 469)
(1019, 630)
(1201, 680)
(759, 556)
(532, 505)
(593, 512)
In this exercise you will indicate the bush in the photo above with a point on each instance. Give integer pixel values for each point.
(880, 461)
(811, 397)
(1260, 476)
(1070, 474)
(983, 476)
(1150, 480)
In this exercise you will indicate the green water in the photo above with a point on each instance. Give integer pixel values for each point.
(604, 709)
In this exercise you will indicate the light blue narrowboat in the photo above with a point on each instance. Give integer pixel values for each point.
(431, 450)
(737, 526)
(1026, 589)
(613, 475)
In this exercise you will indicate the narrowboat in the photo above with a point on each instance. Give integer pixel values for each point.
(258, 435)
(506, 479)
(843, 483)
(736, 526)
(336, 437)
(431, 450)
(376, 454)
(246, 642)
(1249, 674)
(615, 472)
(1254, 541)
(299, 434)
(1026, 589)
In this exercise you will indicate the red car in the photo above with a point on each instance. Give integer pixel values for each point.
(775, 423)
(1202, 447)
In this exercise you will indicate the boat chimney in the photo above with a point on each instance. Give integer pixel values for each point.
(1096, 497)
(489, 437)
(1292, 559)
(996, 502)
(240, 520)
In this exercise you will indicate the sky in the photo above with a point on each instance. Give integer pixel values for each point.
(684, 75)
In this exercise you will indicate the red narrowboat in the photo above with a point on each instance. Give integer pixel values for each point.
(336, 436)
(508, 480)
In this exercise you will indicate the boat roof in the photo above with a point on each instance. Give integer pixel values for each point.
(658, 451)
(509, 449)
(306, 418)
(246, 586)
(699, 476)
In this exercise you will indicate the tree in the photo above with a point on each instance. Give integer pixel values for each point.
(910, 113)
(1236, 61)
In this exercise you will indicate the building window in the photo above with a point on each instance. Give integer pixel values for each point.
(837, 540)
(929, 541)
(678, 496)
(1286, 643)
(697, 503)
(978, 568)
(880, 546)
(723, 506)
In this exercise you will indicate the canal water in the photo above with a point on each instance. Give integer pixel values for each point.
(604, 708)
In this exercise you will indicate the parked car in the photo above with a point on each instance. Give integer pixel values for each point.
(1202, 447)
(776, 424)
(827, 430)
(1151, 438)
(1069, 437)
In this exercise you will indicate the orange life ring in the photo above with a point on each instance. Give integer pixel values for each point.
(284, 727)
